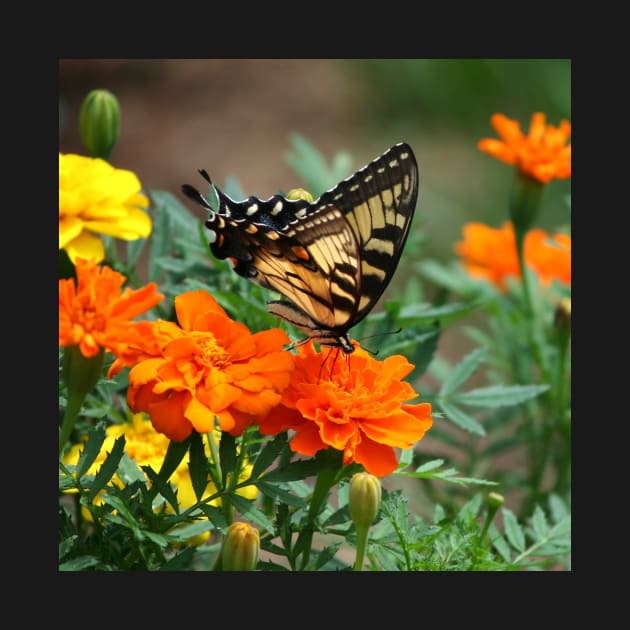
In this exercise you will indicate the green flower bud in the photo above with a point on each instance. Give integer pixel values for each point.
(241, 548)
(99, 122)
(80, 374)
(525, 201)
(364, 499)
(495, 500)
(562, 318)
(299, 193)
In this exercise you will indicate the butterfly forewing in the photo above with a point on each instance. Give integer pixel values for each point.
(333, 258)
(378, 201)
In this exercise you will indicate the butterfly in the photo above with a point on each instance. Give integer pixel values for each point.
(331, 258)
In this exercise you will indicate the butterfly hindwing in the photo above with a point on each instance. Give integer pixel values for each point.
(332, 258)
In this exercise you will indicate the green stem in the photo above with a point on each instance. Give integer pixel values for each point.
(362, 538)
(75, 401)
(520, 250)
(326, 478)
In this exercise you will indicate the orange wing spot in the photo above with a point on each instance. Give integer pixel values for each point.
(251, 229)
(220, 240)
(300, 252)
(234, 261)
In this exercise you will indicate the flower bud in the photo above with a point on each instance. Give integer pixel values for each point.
(364, 499)
(299, 193)
(495, 500)
(241, 547)
(525, 201)
(99, 123)
(562, 318)
(81, 373)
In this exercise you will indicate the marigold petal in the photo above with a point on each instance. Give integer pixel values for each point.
(508, 129)
(126, 223)
(378, 459)
(400, 429)
(69, 228)
(280, 419)
(199, 415)
(537, 127)
(86, 246)
(268, 341)
(169, 415)
(306, 440)
(220, 396)
(145, 371)
(189, 305)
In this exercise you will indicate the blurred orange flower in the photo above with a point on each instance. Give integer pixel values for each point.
(542, 154)
(207, 365)
(358, 409)
(95, 313)
(490, 253)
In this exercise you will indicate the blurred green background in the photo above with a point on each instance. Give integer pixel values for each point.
(236, 117)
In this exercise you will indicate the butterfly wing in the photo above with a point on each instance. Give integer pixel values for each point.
(378, 202)
(333, 258)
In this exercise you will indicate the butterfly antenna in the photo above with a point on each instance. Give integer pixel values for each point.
(375, 352)
(192, 193)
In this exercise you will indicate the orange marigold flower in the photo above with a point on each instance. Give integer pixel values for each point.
(490, 253)
(358, 409)
(207, 366)
(542, 154)
(95, 312)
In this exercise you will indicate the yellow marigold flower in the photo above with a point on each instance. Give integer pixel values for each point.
(207, 366)
(96, 198)
(356, 406)
(490, 253)
(95, 312)
(542, 154)
(148, 447)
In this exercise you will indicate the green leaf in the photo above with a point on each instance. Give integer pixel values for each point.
(198, 465)
(309, 163)
(432, 465)
(558, 508)
(498, 542)
(129, 471)
(134, 249)
(79, 564)
(470, 510)
(180, 561)
(91, 449)
(461, 418)
(499, 395)
(513, 530)
(215, 515)
(160, 486)
(324, 556)
(251, 512)
(183, 533)
(268, 454)
(227, 455)
(109, 467)
(294, 471)
(462, 371)
(428, 314)
(275, 492)
(539, 523)
(174, 455)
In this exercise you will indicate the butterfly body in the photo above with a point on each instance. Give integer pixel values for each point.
(331, 258)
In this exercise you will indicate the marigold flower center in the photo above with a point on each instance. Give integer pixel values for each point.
(211, 354)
